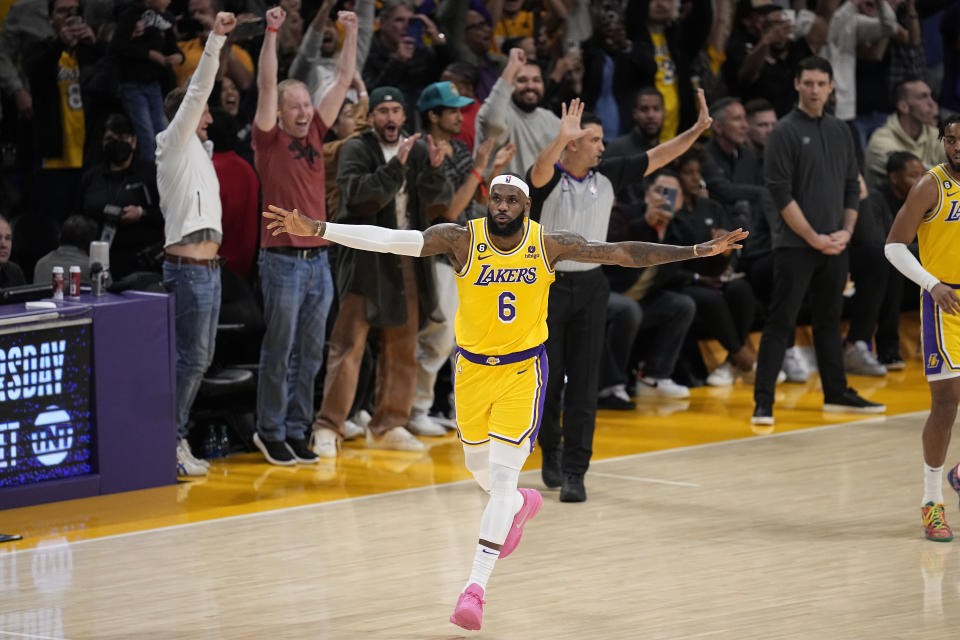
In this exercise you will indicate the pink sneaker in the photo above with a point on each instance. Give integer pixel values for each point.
(469, 611)
(532, 501)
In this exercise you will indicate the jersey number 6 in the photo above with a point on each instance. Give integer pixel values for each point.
(508, 312)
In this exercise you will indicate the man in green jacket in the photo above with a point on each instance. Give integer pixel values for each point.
(390, 180)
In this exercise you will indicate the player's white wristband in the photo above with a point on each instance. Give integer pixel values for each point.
(370, 238)
(900, 257)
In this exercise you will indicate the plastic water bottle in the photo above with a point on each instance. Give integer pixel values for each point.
(211, 445)
(224, 442)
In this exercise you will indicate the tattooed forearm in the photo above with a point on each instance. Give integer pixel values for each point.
(450, 239)
(570, 246)
(645, 254)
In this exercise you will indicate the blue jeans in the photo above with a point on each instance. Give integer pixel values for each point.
(143, 102)
(197, 291)
(297, 294)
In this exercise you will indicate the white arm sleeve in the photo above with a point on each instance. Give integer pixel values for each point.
(379, 239)
(900, 257)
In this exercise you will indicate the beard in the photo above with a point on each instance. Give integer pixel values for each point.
(504, 230)
(523, 106)
(954, 166)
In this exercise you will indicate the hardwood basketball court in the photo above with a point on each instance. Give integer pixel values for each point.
(695, 527)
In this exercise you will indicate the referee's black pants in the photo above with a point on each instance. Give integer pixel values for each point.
(795, 271)
(576, 318)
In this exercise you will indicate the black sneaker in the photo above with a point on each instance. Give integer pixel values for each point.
(275, 452)
(615, 403)
(573, 489)
(851, 402)
(552, 471)
(301, 451)
(892, 361)
(762, 415)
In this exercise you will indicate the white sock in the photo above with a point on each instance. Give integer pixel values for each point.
(483, 561)
(932, 484)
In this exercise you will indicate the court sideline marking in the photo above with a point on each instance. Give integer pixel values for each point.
(617, 476)
(29, 635)
(633, 456)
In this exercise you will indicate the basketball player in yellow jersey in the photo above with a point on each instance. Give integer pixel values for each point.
(504, 265)
(931, 212)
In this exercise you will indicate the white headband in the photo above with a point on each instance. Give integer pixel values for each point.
(513, 181)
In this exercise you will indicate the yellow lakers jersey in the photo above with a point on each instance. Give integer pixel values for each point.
(939, 232)
(71, 112)
(503, 296)
(666, 82)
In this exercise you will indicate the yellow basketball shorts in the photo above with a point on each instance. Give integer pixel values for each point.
(500, 397)
(940, 333)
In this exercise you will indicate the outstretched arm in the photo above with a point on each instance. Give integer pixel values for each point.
(664, 154)
(921, 199)
(570, 246)
(448, 239)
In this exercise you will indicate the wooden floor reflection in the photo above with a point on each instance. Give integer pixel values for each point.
(695, 527)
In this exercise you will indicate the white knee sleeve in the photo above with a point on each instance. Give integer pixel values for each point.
(477, 461)
(504, 503)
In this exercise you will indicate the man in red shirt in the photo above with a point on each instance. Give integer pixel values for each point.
(294, 271)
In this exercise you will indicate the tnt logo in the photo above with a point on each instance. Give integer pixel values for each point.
(53, 439)
(954, 214)
(934, 361)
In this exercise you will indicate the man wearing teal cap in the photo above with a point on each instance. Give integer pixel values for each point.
(440, 107)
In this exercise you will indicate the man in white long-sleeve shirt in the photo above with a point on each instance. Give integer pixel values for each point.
(190, 203)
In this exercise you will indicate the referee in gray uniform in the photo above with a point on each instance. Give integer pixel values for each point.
(572, 190)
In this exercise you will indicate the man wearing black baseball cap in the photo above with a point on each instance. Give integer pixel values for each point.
(385, 179)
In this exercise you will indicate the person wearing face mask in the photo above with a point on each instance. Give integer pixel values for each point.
(120, 194)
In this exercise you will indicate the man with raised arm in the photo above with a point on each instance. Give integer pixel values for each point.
(295, 274)
(190, 204)
(504, 265)
(573, 190)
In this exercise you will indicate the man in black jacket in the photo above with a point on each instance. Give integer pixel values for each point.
(121, 194)
(811, 170)
(387, 180)
(57, 70)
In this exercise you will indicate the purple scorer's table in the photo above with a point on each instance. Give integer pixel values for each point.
(87, 397)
